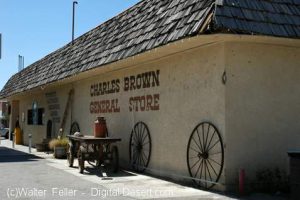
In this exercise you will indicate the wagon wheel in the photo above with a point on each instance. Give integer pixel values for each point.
(70, 155)
(80, 160)
(115, 159)
(205, 155)
(74, 128)
(140, 147)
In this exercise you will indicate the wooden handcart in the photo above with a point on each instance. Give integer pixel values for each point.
(95, 150)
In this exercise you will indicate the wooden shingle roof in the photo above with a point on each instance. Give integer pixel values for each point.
(153, 23)
(265, 17)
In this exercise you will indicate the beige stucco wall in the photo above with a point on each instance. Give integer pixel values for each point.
(39, 131)
(191, 91)
(262, 107)
(256, 112)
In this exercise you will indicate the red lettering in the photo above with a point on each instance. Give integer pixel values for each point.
(132, 82)
(104, 106)
(149, 102)
(156, 102)
(144, 103)
(126, 84)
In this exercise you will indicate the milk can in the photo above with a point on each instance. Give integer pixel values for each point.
(100, 129)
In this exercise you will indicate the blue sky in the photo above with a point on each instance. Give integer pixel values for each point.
(35, 28)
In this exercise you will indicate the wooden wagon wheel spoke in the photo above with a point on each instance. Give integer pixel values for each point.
(144, 157)
(146, 143)
(140, 147)
(194, 150)
(200, 149)
(212, 168)
(213, 145)
(74, 128)
(206, 136)
(199, 140)
(135, 137)
(211, 138)
(193, 157)
(195, 164)
(139, 132)
(199, 168)
(209, 166)
(203, 139)
(208, 170)
(138, 159)
(215, 161)
(212, 154)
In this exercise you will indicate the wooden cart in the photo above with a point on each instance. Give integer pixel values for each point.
(95, 150)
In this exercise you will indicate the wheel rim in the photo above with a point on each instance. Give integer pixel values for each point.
(70, 155)
(140, 147)
(205, 155)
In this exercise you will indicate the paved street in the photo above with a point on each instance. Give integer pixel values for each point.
(39, 176)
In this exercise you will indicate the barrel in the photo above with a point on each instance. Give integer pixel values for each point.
(100, 129)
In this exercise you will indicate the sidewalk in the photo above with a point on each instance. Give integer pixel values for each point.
(128, 182)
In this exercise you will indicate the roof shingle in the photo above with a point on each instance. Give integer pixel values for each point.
(153, 23)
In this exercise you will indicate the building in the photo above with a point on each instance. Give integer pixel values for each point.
(214, 81)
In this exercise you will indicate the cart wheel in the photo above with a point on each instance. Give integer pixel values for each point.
(80, 160)
(70, 155)
(205, 155)
(115, 159)
(74, 128)
(140, 147)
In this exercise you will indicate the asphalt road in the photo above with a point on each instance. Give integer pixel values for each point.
(25, 176)
(39, 176)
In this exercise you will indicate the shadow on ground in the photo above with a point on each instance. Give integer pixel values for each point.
(11, 155)
(105, 173)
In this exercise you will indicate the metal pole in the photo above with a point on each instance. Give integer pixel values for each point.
(29, 142)
(73, 20)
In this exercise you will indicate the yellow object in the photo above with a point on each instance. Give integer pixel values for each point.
(18, 136)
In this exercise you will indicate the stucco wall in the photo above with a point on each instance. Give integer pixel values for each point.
(258, 108)
(262, 107)
(39, 131)
(190, 91)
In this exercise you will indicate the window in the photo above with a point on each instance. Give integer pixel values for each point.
(35, 116)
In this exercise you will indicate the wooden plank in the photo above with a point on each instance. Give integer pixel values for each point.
(94, 140)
